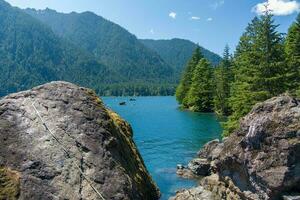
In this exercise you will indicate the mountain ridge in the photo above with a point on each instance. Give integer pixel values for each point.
(106, 41)
(61, 24)
(182, 49)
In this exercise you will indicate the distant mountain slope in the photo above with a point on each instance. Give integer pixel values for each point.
(176, 52)
(109, 43)
(31, 54)
(82, 48)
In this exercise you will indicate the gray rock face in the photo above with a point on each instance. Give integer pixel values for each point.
(261, 160)
(200, 166)
(97, 140)
(208, 149)
(196, 193)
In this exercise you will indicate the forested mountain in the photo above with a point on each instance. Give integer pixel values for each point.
(177, 52)
(111, 44)
(31, 54)
(38, 46)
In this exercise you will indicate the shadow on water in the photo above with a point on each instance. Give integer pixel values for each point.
(166, 136)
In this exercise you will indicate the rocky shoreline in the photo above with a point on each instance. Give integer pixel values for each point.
(261, 160)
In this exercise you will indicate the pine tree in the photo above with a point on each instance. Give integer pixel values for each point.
(270, 47)
(259, 68)
(292, 52)
(199, 97)
(222, 79)
(186, 80)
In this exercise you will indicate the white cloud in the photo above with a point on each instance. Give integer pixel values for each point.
(172, 15)
(209, 19)
(195, 18)
(151, 31)
(277, 7)
(217, 4)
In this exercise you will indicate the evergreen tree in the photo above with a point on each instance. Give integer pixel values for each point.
(292, 52)
(199, 97)
(186, 80)
(259, 68)
(270, 47)
(222, 78)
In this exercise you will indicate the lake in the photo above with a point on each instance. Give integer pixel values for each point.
(166, 136)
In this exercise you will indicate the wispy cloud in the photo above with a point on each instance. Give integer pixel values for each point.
(277, 7)
(152, 31)
(173, 15)
(195, 18)
(217, 4)
(209, 19)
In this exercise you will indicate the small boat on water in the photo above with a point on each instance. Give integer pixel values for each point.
(123, 103)
(132, 99)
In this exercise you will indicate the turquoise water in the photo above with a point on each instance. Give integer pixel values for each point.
(166, 136)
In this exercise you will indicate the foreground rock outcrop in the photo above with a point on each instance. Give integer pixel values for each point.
(33, 164)
(261, 160)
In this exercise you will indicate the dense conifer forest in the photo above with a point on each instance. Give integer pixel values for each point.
(265, 64)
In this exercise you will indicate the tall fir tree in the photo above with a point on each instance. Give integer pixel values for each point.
(186, 80)
(259, 68)
(270, 47)
(222, 79)
(199, 97)
(292, 52)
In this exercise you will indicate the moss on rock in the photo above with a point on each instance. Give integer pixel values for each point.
(9, 184)
(121, 123)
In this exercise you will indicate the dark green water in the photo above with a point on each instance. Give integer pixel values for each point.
(166, 136)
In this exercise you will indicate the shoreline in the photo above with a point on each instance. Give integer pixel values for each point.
(247, 165)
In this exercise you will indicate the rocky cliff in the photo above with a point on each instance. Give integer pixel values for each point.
(87, 138)
(261, 160)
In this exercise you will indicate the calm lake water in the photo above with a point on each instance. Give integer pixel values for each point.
(166, 136)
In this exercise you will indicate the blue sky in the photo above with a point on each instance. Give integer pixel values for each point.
(211, 23)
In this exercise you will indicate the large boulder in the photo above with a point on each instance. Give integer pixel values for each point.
(87, 138)
(261, 160)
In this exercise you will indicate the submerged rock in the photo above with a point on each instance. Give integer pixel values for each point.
(261, 160)
(33, 164)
